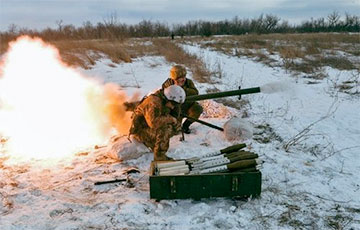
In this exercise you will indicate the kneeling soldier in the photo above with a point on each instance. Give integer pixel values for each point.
(155, 119)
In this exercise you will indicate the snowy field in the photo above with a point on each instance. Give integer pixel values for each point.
(305, 130)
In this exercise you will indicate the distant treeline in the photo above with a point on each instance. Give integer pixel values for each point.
(111, 28)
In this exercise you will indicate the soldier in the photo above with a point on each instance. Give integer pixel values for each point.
(155, 122)
(191, 109)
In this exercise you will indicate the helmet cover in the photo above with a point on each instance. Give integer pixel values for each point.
(175, 93)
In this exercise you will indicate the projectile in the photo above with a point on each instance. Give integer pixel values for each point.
(233, 148)
(229, 149)
(242, 164)
(224, 159)
(227, 160)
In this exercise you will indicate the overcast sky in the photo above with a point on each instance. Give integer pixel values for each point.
(39, 14)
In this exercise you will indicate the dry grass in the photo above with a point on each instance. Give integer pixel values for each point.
(138, 47)
(338, 63)
(3, 47)
(85, 53)
(291, 52)
(174, 53)
(301, 53)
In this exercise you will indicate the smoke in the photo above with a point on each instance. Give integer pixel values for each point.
(275, 87)
(114, 108)
(237, 129)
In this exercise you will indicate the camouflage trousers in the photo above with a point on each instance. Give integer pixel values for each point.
(157, 140)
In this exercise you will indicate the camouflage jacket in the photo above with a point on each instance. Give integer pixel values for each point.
(152, 113)
(189, 86)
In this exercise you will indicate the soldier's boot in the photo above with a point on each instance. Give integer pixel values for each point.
(159, 156)
(186, 126)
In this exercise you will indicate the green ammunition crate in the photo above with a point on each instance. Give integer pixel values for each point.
(235, 184)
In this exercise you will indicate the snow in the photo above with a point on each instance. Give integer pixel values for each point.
(311, 184)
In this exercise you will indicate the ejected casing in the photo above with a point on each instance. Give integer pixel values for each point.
(222, 94)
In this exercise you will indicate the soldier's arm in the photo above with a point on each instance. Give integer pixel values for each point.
(154, 119)
(190, 88)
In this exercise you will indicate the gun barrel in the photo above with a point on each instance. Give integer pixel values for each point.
(222, 94)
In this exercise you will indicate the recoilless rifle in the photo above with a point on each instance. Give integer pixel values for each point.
(130, 106)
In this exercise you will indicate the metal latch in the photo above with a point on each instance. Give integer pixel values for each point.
(172, 185)
(235, 184)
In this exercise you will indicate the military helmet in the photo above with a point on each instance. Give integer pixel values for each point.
(177, 71)
(175, 93)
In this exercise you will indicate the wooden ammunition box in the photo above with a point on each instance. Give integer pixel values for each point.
(230, 184)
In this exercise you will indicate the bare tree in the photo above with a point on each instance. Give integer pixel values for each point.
(13, 29)
(271, 22)
(111, 23)
(59, 23)
(111, 19)
(333, 18)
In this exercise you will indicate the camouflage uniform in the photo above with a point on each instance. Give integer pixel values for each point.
(154, 125)
(191, 109)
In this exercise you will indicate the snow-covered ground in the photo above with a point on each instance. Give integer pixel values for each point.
(307, 134)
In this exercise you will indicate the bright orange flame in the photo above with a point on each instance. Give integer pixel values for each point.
(49, 110)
